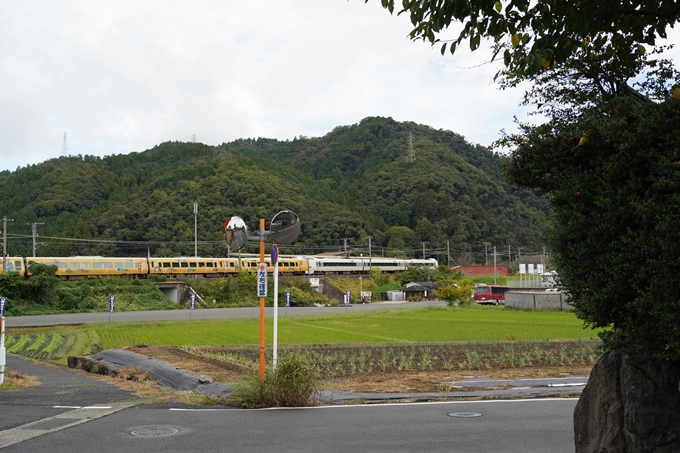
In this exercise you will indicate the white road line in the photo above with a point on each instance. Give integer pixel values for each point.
(375, 406)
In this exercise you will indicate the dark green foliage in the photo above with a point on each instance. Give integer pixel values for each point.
(351, 183)
(241, 291)
(616, 211)
(44, 294)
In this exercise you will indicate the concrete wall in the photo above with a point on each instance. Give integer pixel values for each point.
(535, 300)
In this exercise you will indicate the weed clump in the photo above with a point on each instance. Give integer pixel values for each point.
(293, 383)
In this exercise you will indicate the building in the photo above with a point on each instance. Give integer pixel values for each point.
(482, 270)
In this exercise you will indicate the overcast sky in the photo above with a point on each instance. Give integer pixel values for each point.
(121, 76)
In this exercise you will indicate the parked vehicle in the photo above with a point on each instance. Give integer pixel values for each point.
(490, 294)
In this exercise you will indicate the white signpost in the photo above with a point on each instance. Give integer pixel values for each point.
(192, 303)
(3, 358)
(275, 263)
(112, 301)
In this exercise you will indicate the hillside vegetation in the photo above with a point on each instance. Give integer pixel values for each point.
(354, 182)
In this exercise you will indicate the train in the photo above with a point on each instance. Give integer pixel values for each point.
(74, 267)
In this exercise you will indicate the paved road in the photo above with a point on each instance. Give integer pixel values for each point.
(528, 426)
(210, 313)
(72, 412)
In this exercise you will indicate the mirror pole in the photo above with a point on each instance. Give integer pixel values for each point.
(262, 237)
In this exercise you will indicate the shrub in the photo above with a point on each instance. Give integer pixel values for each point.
(293, 384)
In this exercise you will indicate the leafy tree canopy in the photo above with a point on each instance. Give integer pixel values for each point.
(534, 35)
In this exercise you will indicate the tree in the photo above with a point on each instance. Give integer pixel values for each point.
(455, 293)
(533, 36)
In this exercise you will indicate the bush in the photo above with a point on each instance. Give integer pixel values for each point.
(455, 293)
(293, 384)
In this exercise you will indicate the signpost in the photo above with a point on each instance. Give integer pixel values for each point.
(3, 301)
(275, 263)
(192, 303)
(347, 300)
(112, 301)
(284, 228)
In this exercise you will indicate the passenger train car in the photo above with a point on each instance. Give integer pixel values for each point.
(97, 266)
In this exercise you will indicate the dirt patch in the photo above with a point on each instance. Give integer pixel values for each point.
(196, 365)
(395, 368)
(15, 381)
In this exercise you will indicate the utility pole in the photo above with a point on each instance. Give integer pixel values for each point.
(4, 242)
(195, 228)
(370, 256)
(448, 254)
(424, 248)
(494, 264)
(346, 239)
(34, 232)
(486, 253)
(509, 257)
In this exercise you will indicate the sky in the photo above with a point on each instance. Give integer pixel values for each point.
(124, 76)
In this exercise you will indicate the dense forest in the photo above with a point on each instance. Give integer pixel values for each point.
(357, 181)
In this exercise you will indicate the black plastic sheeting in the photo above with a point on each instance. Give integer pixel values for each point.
(160, 371)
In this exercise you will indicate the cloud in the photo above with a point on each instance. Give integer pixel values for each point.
(123, 76)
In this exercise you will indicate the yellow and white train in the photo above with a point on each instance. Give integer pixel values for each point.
(97, 266)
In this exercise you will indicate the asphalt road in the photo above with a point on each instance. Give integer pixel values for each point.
(524, 426)
(208, 313)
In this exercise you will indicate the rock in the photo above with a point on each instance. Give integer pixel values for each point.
(203, 379)
(629, 405)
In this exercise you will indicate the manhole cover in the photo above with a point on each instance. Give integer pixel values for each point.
(154, 432)
(465, 414)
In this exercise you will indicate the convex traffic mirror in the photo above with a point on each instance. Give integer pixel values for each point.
(236, 231)
(285, 227)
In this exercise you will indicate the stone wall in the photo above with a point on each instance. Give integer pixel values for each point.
(536, 300)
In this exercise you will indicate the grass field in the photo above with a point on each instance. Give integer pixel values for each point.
(393, 326)
(432, 324)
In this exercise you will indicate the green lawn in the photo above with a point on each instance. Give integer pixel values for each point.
(396, 325)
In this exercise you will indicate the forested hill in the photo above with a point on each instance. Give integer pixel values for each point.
(354, 182)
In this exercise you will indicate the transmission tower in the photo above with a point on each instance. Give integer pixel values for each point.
(193, 138)
(411, 154)
(64, 147)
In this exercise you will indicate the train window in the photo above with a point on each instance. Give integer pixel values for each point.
(201, 264)
(129, 265)
(185, 264)
(17, 265)
(175, 264)
(166, 264)
(119, 265)
(86, 265)
(97, 265)
(62, 265)
(74, 265)
(192, 265)
(107, 265)
(210, 264)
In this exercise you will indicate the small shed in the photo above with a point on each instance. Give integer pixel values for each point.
(416, 291)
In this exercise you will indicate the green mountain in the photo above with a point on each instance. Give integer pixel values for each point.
(357, 181)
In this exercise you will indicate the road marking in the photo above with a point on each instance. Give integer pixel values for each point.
(65, 420)
(375, 406)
